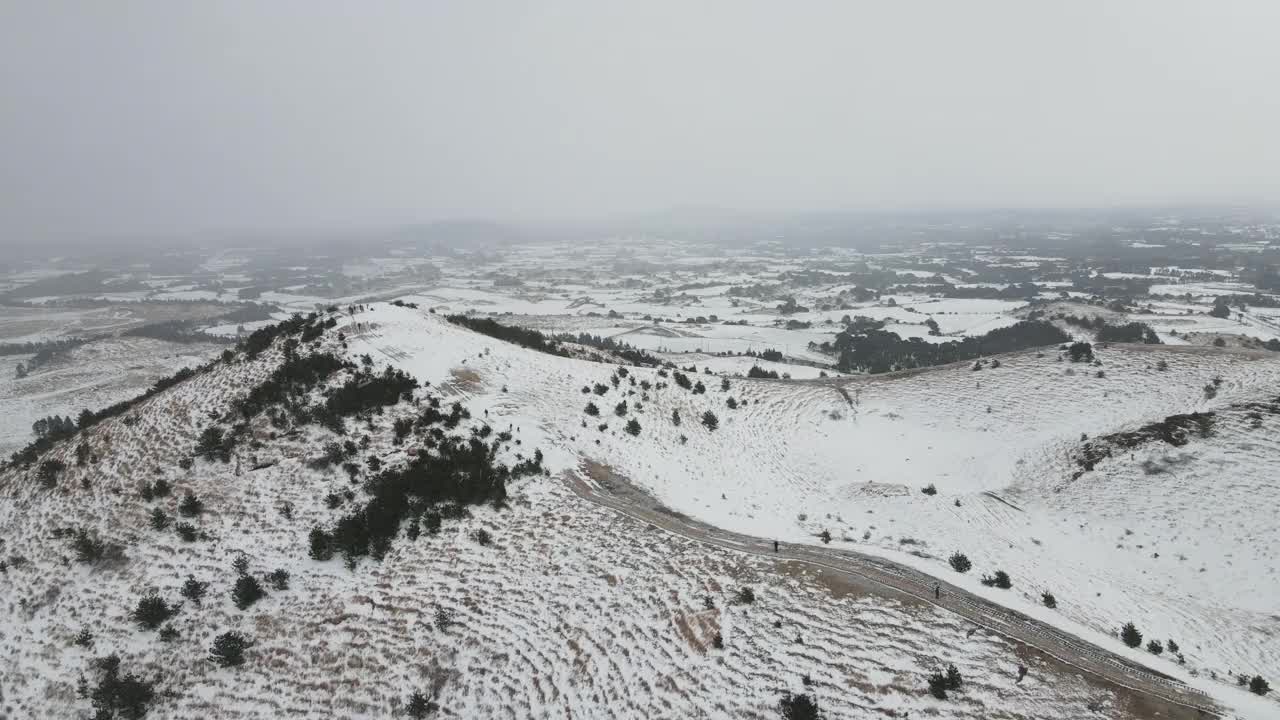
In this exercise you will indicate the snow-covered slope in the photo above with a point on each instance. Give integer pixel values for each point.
(852, 456)
(571, 611)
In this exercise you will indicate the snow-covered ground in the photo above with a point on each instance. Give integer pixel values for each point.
(795, 459)
(91, 376)
(572, 612)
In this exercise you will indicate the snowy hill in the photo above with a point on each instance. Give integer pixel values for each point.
(851, 457)
(565, 609)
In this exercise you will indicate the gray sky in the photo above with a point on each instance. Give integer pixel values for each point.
(124, 117)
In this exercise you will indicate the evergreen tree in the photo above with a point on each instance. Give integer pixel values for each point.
(247, 591)
(419, 706)
(87, 549)
(954, 680)
(1048, 599)
(1130, 635)
(710, 420)
(228, 649)
(159, 520)
(799, 707)
(193, 589)
(633, 426)
(126, 696)
(321, 545)
(960, 562)
(1080, 352)
(152, 611)
(279, 579)
(191, 506)
(1258, 686)
(592, 410)
(938, 685)
(1000, 580)
(49, 473)
(675, 417)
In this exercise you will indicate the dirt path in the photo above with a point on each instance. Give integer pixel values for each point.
(1175, 699)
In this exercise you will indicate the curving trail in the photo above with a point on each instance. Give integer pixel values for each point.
(885, 576)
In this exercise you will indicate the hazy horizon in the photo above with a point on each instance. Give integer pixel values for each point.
(180, 119)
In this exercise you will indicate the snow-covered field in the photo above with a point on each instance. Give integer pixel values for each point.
(572, 612)
(91, 376)
(579, 613)
(795, 459)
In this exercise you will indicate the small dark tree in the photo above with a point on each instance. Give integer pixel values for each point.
(938, 685)
(115, 696)
(321, 545)
(191, 506)
(152, 611)
(431, 522)
(49, 472)
(84, 638)
(591, 409)
(929, 489)
(228, 649)
(1000, 580)
(193, 589)
(186, 531)
(954, 680)
(1048, 599)
(1155, 647)
(279, 579)
(247, 591)
(159, 521)
(620, 409)
(675, 417)
(87, 549)
(745, 596)
(633, 426)
(710, 420)
(1258, 686)
(443, 618)
(419, 706)
(1130, 635)
(960, 562)
(799, 707)
(1080, 352)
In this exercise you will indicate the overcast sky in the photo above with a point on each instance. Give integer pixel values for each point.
(155, 117)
